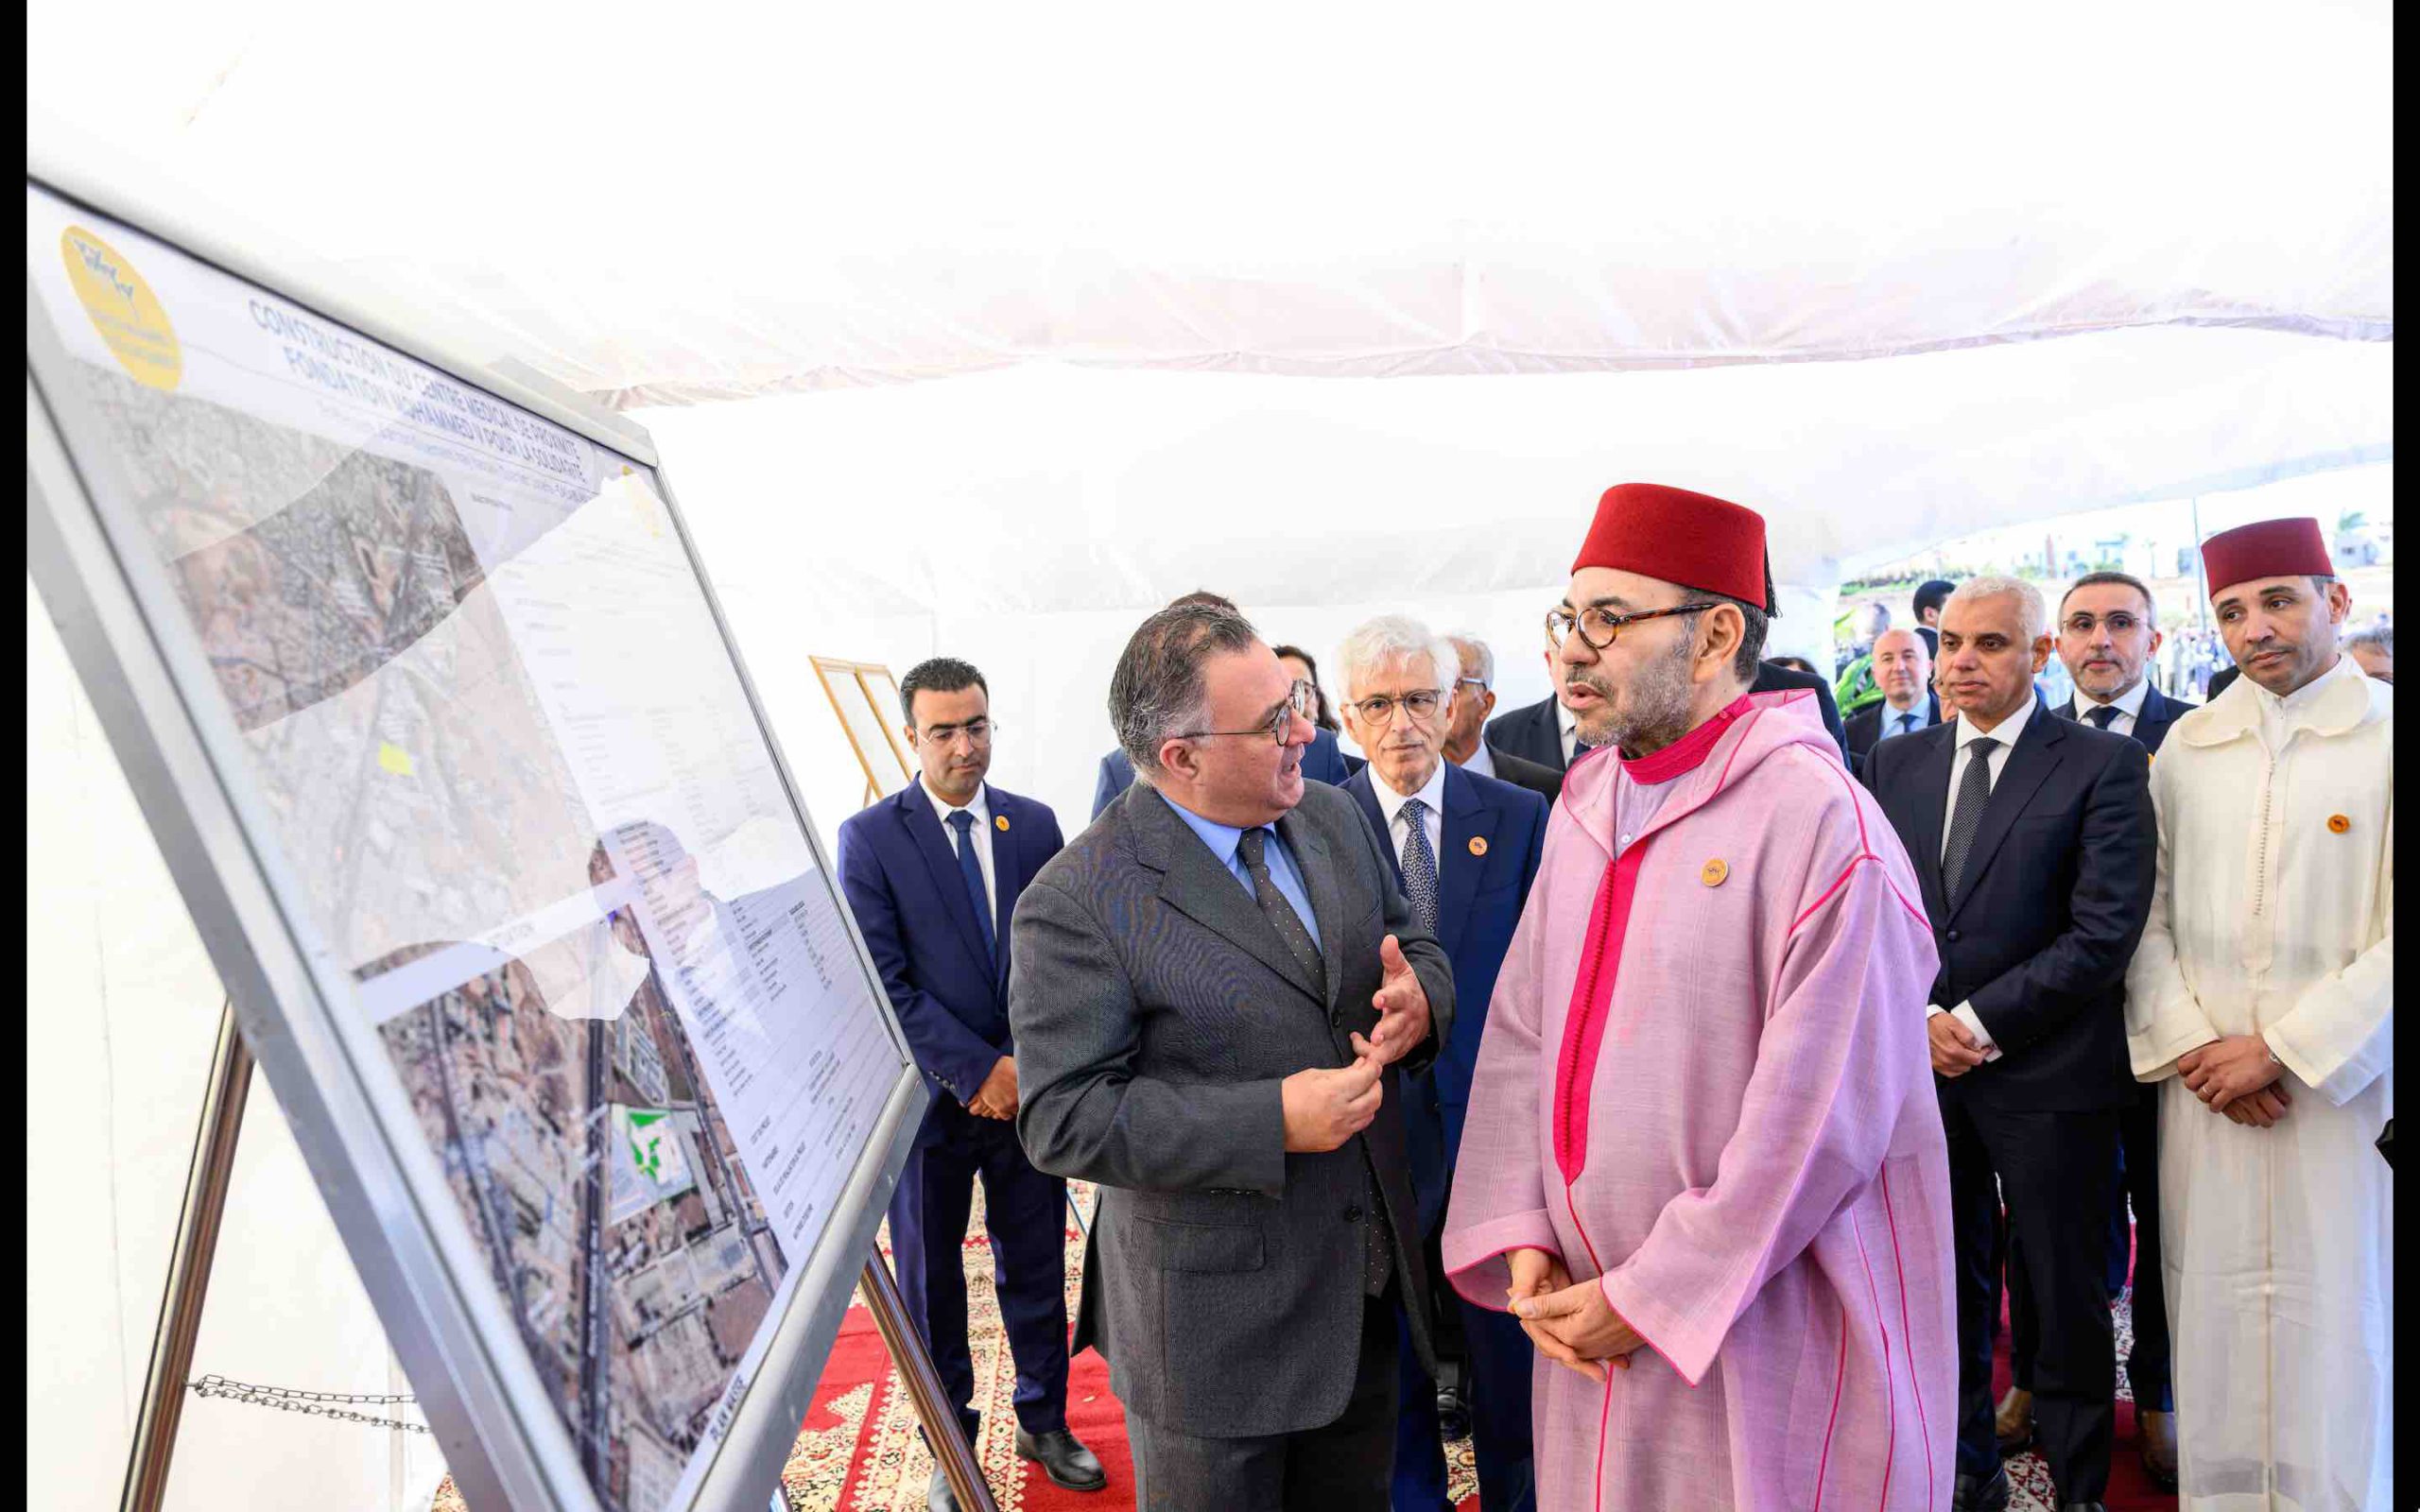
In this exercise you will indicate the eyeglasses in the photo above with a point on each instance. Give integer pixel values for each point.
(2117, 623)
(1598, 628)
(1301, 701)
(1481, 684)
(1421, 703)
(978, 733)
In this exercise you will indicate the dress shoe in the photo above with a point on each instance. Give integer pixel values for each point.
(2081, 1506)
(2012, 1423)
(1966, 1494)
(938, 1496)
(2155, 1434)
(1064, 1458)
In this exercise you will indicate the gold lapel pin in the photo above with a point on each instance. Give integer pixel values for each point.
(1478, 845)
(1714, 872)
(2338, 824)
(999, 821)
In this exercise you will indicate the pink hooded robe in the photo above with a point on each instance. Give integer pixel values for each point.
(1739, 1135)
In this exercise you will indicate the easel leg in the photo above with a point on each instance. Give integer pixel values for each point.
(206, 1183)
(941, 1429)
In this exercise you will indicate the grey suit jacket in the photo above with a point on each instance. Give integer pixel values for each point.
(1155, 1013)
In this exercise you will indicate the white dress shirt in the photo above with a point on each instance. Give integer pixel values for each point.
(2006, 732)
(1482, 760)
(1433, 821)
(982, 809)
(2129, 705)
(1567, 724)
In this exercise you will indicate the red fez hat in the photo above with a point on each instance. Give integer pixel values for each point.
(2267, 548)
(1694, 540)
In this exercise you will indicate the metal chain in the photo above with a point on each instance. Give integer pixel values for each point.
(310, 1403)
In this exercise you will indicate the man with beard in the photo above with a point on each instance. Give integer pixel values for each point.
(2262, 1003)
(1701, 1120)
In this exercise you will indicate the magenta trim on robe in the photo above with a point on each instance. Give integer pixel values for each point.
(1592, 1000)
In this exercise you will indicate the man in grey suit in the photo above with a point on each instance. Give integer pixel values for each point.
(1213, 991)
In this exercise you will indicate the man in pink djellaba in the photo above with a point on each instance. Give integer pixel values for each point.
(1703, 1162)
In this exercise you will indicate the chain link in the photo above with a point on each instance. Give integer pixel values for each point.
(329, 1404)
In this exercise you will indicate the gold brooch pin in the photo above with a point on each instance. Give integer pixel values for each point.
(2338, 824)
(999, 821)
(1714, 873)
(1478, 845)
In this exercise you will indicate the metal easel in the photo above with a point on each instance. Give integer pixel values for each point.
(207, 1181)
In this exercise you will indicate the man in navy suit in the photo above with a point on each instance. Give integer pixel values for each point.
(1323, 762)
(1465, 849)
(2108, 633)
(933, 873)
(2034, 844)
(1903, 670)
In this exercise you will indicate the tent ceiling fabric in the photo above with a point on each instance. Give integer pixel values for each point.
(759, 200)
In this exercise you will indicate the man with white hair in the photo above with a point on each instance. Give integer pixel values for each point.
(1474, 700)
(1465, 849)
(2374, 649)
(2262, 1002)
(2031, 838)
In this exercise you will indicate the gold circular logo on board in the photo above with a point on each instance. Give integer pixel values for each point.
(1478, 845)
(1714, 872)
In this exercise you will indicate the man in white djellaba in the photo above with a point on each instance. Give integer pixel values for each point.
(2263, 993)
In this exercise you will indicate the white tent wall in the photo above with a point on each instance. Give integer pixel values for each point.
(123, 1009)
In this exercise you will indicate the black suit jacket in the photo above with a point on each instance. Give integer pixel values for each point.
(1543, 780)
(1534, 731)
(2150, 726)
(2219, 680)
(2057, 888)
(1156, 1013)
(1865, 728)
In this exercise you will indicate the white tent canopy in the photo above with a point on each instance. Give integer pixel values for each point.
(1891, 277)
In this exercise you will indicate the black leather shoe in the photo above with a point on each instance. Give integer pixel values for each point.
(1064, 1458)
(1967, 1494)
(938, 1496)
(2084, 1506)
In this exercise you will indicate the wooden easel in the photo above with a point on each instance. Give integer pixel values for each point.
(207, 1181)
(852, 686)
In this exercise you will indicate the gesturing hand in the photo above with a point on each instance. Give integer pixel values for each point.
(1326, 1107)
(2235, 1067)
(1953, 1048)
(997, 1096)
(1577, 1327)
(1402, 1008)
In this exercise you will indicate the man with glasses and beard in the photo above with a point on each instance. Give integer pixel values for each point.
(1465, 849)
(1703, 1164)
(1216, 991)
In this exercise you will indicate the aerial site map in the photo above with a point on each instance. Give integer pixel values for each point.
(514, 783)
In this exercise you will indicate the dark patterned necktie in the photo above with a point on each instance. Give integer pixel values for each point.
(970, 870)
(1254, 846)
(1966, 816)
(1419, 865)
(2103, 716)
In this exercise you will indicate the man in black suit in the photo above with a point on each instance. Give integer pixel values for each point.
(1474, 700)
(1903, 670)
(2108, 634)
(1215, 993)
(1543, 732)
(2033, 846)
(1930, 596)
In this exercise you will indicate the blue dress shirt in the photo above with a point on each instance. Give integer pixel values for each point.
(1222, 840)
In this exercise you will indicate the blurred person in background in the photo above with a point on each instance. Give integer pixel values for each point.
(2375, 650)
(1929, 597)
(1467, 744)
(1296, 660)
(1903, 670)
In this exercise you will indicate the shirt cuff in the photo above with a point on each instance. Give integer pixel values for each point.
(1964, 1013)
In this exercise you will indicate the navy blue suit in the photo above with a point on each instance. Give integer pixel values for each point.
(1480, 899)
(900, 871)
(1322, 761)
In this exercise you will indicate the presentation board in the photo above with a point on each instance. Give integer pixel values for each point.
(426, 698)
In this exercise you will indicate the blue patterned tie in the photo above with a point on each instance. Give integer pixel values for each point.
(1419, 865)
(970, 870)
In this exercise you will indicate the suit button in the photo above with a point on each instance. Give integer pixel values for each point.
(1953, 936)
(1353, 1213)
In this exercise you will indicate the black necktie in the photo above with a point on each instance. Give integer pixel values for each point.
(1254, 846)
(1966, 814)
(2102, 716)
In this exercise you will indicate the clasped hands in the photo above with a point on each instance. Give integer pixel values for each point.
(1572, 1325)
(997, 1096)
(2237, 1076)
(1325, 1107)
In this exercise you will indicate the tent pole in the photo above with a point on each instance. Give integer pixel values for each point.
(933, 1406)
(197, 1241)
